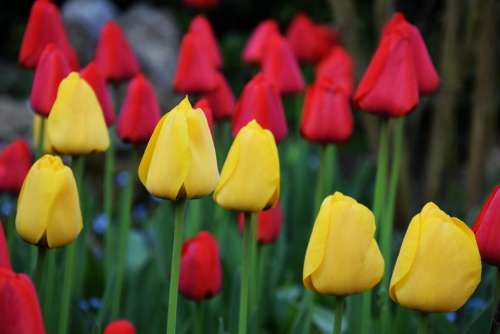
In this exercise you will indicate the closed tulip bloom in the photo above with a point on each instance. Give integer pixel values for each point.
(114, 55)
(257, 42)
(180, 161)
(47, 146)
(52, 68)
(76, 123)
(250, 178)
(201, 27)
(57, 220)
(95, 78)
(221, 99)
(15, 162)
(4, 251)
(207, 110)
(337, 66)
(19, 307)
(260, 100)
(201, 268)
(121, 326)
(201, 4)
(487, 228)
(438, 266)
(140, 111)
(268, 224)
(342, 256)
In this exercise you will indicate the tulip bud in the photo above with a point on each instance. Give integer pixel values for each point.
(76, 123)
(438, 266)
(15, 162)
(37, 123)
(268, 224)
(342, 256)
(207, 110)
(95, 78)
(250, 178)
(180, 161)
(337, 66)
(4, 251)
(56, 220)
(221, 99)
(258, 40)
(487, 228)
(122, 326)
(201, 268)
(201, 27)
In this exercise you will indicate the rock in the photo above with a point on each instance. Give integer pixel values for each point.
(17, 118)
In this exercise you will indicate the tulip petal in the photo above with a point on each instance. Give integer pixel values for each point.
(148, 153)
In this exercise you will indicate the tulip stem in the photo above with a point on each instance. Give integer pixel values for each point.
(245, 274)
(495, 321)
(423, 323)
(179, 211)
(253, 269)
(109, 163)
(339, 309)
(199, 318)
(49, 288)
(41, 137)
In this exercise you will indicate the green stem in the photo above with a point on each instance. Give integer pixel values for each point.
(245, 275)
(49, 287)
(339, 309)
(495, 320)
(109, 163)
(262, 265)
(41, 137)
(199, 318)
(320, 180)
(179, 211)
(253, 269)
(40, 263)
(423, 323)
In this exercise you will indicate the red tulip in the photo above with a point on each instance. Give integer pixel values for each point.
(201, 27)
(398, 73)
(327, 116)
(44, 26)
(51, 69)
(207, 110)
(268, 224)
(94, 77)
(201, 4)
(201, 269)
(140, 111)
(487, 228)
(261, 101)
(337, 66)
(281, 67)
(221, 99)
(19, 308)
(114, 55)
(4, 250)
(15, 162)
(258, 40)
(195, 72)
(120, 327)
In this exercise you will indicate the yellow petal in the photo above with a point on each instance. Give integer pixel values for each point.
(148, 153)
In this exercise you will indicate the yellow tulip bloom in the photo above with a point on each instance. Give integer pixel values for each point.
(76, 124)
(250, 178)
(342, 256)
(438, 266)
(180, 161)
(48, 208)
(37, 122)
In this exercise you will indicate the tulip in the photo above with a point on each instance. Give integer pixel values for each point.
(15, 162)
(487, 228)
(51, 69)
(201, 269)
(201, 4)
(4, 251)
(342, 256)
(37, 123)
(438, 266)
(220, 99)
(180, 161)
(201, 27)
(337, 66)
(76, 123)
(57, 220)
(120, 327)
(19, 308)
(261, 101)
(207, 110)
(114, 55)
(268, 224)
(257, 42)
(95, 78)
(140, 111)
(250, 178)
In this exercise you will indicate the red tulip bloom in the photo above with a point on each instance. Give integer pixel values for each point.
(114, 55)
(195, 72)
(44, 26)
(337, 66)
(52, 68)
(207, 110)
(281, 67)
(15, 162)
(140, 111)
(398, 73)
(260, 100)
(201, 27)
(268, 224)
(487, 229)
(4, 250)
(221, 99)
(94, 77)
(327, 116)
(258, 40)
(201, 4)
(19, 308)
(120, 327)
(201, 269)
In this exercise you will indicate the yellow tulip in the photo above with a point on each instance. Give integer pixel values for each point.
(342, 256)
(250, 178)
(37, 121)
(76, 124)
(48, 208)
(180, 161)
(438, 266)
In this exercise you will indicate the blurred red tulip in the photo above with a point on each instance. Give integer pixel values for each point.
(487, 229)
(207, 110)
(258, 40)
(4, 250)
(201, 27)
(201, 4)
(51, 69)
(201, 269)
(15, 162)
(337, 66)
(94, 77)
(260, 100)
(120, 327)
(114, 55)
(19, 308)
(221, 99)
(140, 111)
(268, 224)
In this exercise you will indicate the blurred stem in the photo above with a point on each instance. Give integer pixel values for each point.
(41, 137)
(423, 323)
(109, 163)
(262, 264)
(253, 271)
(495, 321)
(40, 263)
(199, 318)
(49, 288)
(339, 309)
(179, 212)
(245, 274)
